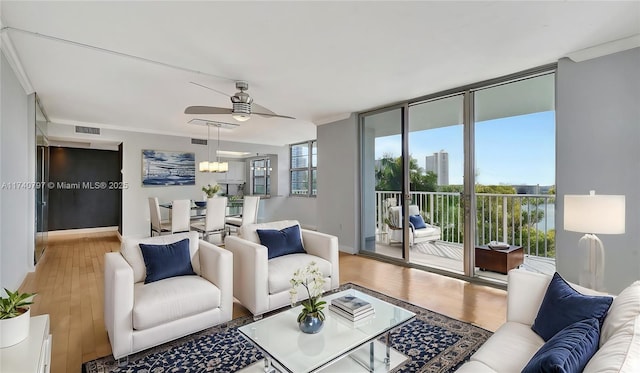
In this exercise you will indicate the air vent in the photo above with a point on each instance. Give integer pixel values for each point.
(88, 130)
(198, 141)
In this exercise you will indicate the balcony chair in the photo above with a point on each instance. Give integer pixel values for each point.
(262, 284)
(417, 234)
(214, 221)
(138, 316)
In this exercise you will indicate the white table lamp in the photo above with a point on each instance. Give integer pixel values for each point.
(591, 214)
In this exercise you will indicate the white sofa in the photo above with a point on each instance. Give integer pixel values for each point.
(262, 284)
(139, 316)
(511, 347)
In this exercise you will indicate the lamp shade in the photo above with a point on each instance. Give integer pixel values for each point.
(597, 214)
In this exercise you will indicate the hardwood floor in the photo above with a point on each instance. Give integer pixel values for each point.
(69, 283)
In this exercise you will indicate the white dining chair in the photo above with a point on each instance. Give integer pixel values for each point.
(214, 221)
(157, 225)
(180, 216)
(249, 213)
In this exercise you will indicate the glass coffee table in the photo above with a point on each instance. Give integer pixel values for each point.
(341, 345)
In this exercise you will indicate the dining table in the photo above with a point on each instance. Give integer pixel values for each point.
(234, 208)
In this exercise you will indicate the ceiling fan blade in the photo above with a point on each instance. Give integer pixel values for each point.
(262, 109)
(207, 110)
(269, 115)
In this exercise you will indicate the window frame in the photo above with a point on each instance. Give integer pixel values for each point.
(266, 176)
(310, 169)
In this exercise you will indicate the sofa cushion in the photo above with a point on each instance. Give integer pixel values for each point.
(569, 350)
(625, 307)
(131, 252)
(512, 338)
(563, 306)
(281, 242)
(621, 352)
(429, 231)
(417, 221)
(164, 261)
(281, 270)
(171, 299)
(248, 231)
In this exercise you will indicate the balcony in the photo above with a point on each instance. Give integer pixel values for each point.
(526, 220)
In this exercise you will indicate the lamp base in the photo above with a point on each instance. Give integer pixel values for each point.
(592, 274)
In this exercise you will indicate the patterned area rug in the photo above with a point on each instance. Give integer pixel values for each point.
(433, 343)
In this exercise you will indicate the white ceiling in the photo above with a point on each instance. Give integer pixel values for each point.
(311, 60)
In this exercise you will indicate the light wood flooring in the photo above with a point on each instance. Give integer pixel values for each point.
(69, 283)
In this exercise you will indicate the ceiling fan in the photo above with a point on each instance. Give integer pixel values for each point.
(242, 105)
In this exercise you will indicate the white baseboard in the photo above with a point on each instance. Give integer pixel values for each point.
(83, 231)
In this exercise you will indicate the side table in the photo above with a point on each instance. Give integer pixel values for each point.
(31, 355)
(500, 261)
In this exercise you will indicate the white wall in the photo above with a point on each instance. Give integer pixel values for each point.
(598, 148)
(135, 213)
(338, 185)
(17, 164)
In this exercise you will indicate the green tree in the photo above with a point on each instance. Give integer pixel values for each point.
(389, 175)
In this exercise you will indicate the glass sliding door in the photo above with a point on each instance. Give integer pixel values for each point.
(41, 178)
(515, 170)
(382, 183)
(447, 174)
(436, 168)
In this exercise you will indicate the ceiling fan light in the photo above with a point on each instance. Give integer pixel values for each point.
(241, 117)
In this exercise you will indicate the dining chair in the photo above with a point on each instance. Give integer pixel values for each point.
(249, 213)
(214, 220)
(157, 225)
(180, 215)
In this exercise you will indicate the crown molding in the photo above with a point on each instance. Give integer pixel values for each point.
(6, 45)
(605, 49)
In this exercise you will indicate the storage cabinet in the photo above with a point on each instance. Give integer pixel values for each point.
(236, 172)
(31, 355)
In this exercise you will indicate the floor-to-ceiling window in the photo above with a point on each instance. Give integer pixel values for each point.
(471, 166)
(515, 168)
(382, 182)
(436, 151)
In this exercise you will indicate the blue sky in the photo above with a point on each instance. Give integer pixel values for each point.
(513, 150)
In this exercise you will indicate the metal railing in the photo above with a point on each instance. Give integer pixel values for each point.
(527, 220)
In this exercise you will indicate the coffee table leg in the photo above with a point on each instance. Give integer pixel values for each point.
(372, 357)
(267, 366)
(387, 358)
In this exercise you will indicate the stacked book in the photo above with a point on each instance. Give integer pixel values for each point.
(351, 307)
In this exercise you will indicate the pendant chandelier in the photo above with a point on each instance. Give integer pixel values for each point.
(215, 166)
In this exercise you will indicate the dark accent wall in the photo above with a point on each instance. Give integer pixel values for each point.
(84, 188)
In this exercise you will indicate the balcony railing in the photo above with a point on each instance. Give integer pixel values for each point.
(527, 220)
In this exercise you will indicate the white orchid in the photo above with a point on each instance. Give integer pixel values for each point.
(313, 281)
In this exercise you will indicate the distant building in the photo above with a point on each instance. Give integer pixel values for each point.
(438, 163)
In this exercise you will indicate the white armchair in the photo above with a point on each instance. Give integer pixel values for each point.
(429, 233)
(262, 284)
(139, 316)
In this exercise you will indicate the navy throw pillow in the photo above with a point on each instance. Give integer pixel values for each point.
(569, 350)
(417, 221)
(281, 242)
(164, 261)
(563, 306)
